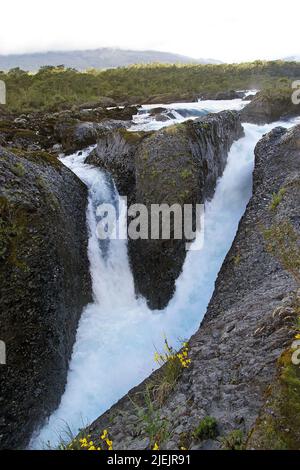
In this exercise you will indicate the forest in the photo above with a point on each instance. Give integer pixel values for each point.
(55, 88)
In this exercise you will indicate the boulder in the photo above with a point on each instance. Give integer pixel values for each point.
(158, 110)
(115, 153)
(161, 114)
(271, 106)
(123, 113)
(16, 135)
(75, 135)
(74, 128)
(222, 95)
(45, 284)
(179, 164)
(176, 165)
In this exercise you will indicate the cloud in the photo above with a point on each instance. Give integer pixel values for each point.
(230, 31)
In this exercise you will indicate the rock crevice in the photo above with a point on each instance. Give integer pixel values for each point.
(179, 164)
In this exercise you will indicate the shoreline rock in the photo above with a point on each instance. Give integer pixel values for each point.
(74, 128)
(44, 283)
(265, 108)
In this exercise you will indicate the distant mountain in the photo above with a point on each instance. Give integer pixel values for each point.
(292, 58)
(98, 58)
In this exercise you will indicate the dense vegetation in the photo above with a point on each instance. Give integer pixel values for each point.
(58, 87)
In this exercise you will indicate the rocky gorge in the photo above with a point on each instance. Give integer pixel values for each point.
(177, 165)
(46, 279)
(247, 331)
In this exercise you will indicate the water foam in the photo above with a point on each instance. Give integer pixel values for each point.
(117, 333)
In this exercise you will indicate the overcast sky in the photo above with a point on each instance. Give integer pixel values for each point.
(229, 30)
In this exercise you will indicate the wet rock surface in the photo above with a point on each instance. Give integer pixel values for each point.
(75, 135)
(115, 153)
(265, 109)
(222, 95)
(176, 165)
(74, 128)
(44, 285)
(248, 324)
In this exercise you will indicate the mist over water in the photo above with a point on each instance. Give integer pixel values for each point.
(117, 333)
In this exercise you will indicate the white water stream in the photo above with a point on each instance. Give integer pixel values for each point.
(117, 333)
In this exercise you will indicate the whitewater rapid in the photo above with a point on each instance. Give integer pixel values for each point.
(117, 333)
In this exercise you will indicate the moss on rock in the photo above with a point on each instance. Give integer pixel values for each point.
(278, 426)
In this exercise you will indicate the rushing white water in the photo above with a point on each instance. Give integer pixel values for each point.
(117, 333)
(143, 121)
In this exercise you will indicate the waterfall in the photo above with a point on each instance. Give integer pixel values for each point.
(117, 333)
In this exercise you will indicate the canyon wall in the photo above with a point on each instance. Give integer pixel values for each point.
(44, 285)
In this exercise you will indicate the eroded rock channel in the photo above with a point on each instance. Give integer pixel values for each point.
(176, 165)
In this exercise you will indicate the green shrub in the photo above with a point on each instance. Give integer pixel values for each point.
(56, 88)
(233, 441)
(172, 365)
(150, 421)
(18, 170)
(185, 174)
(207, 429)
(277, 198)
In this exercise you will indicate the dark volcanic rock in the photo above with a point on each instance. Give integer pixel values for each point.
(176, 165)
(158, 110)
(74, 128)
(222, 95)
(266, 108)
(99, 114)
(115, 153)
(75, 135)
(248, 324)
(162, 114)
(44, 283)
(16, 134)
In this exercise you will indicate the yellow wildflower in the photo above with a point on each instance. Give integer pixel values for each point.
(92, 448)
(83, 442)
(155, 447)
(108, 442)
(104, 434)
